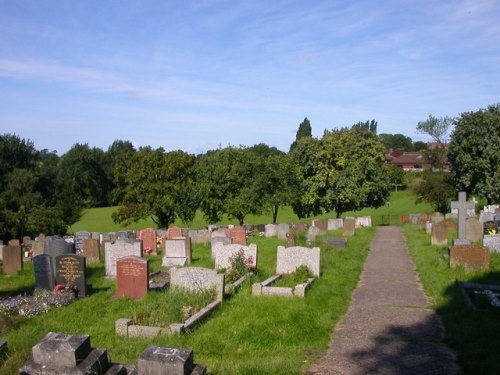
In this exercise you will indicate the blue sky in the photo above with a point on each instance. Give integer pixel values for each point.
(193, 75)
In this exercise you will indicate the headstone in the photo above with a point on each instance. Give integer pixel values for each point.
(219, 237)
(55, 246)
(201, 236)
(437, 217)
(117, 250)
(132, 277)
(174, 232)
(91, 250)
(473, 229)
(60, 353)
(486, 216)
(471, 257)
(283, 229)
(312, 233)
(492, 242)
(335, 241)
(70, 270)
(334, 224)
(79, 238)
(497, 221)
(44, 273)
(271, 230)
(291, 258)
(1, 251)
(296, 228)
(157, 360)
(197, 279)
(462, 206)
(414, 218)
(96, 236)
(349, 226)
(364, 222)
(177, 252)
(451, 225)
(148, 237)
(122, 235)
(12, 259)
(422, 221)
(439, 234)
(321, 224)
(428, 227)
(223, 254)
(489, 227)
(38, 245)
(13, 243)
(238, 235)
(290, 240)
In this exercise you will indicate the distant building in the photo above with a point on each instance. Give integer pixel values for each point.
(408, 161)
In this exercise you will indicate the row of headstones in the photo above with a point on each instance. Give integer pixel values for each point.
(60, 353)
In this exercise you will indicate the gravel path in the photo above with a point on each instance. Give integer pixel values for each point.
(389, 327)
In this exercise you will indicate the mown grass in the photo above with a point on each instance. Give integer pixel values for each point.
(401, 203)
(474, 335)
(246, 335)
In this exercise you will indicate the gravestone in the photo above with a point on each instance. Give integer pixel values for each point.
(321, 224)
(55, 246)
(437, 217)
(117, 250)
(335, 241)
(422, 221)
(174, 232)
(96, 236)
(296, 228)
(91, 250)
(497, 221)
(238, 235)
(122, 235)
(473, 229)
(462, 206)
(60, 353)
(492, 242)
(14, 243)
(70, 270)
(223, 254)
(201, 236)
(177, 252)
(471, 257)
(486, 216)
(364, 222)
(148, 237)
(39, 245)
(132, 277)
(290, 240)
(282, 230)
(414, 219)
(157, 360)
(197, 279)
(428, 227)
(219, 237)
(312, 233)
(44, 273)
(451, 225)
(489, 227)
(12, 259)
(79, 238)
(334, 224)
(271, 230)
(439, 234)
(291, 258)
(1, 251)
(349, 226)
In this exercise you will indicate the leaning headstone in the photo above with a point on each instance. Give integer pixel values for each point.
(79, 238)
(335, 241)
(60, 353)
(157, 360)
(223, 254)
(91, 250)
(334, 224)
(439, 234)
(437, 217)
(96, 236)
(238, 235)
(492, 242)
(283, 229)
(44, 273)
(117, 250)
(70, 270)
(12, 259)
(321, 224)
(148, 237)
(132, 277)
(177, 252)
(197, 279)
(486, 216)
(471, 257)
(461, 206)
(473, 229)
(219, 237)
(349, 226)
(291, 258)
(271, 230)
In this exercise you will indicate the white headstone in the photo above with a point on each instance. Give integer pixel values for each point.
(291, 258)
(223, 254)
(116, 250)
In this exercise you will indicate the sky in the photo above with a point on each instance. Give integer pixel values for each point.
(198, 75)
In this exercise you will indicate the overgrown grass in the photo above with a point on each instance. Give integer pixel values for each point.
(301, 275)
(473, 335)
(246, 335)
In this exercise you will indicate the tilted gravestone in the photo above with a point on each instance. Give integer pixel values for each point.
(224, 253)
(197, 279)
(282, 230)
(117, 250)
(148, 237)
(473, 229)
(132, 277)
(12, 260)
(238, 235)
(70, 270)
(439, 234)
(177, 252)
(44, 273)
(291, 258)
(349, 226)
(91, 250)
(471, 257)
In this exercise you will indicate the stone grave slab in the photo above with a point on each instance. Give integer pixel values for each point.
(471, 257)
(349, 226)
(200, 236)
(116, 250)
(335, 241)
(296, 228)
(197, 279)
(91, 250)
(38, 245)
(289, 259)
(414, 219)
(70, 269)
(439, 234)
(14, 243)
(132, 277)
(473, 229)
(422, 221)
(428, 227)
(148, 237)
(44, 273)
(223, 254)
(177, 252)
(12, 259)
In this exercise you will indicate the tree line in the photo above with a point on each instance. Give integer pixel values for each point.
(342, 170)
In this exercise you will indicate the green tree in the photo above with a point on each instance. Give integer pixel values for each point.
(121, 154)
(370, 126)
(304, 131)
(15, 153)
(474, 153)
(438, 129)
(435, 188)
(155, 186)
(396, 141)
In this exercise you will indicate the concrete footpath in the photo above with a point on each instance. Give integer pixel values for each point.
(389, 327)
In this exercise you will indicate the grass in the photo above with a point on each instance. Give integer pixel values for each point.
(401, 203)
(473, 335)
(246, 335)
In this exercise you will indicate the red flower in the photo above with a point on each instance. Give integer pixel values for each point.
(250, 261)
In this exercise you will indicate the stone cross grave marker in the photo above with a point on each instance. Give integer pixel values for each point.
(70, 269)
(462, 206)
(132, 277)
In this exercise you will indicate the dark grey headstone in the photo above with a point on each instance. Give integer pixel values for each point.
(55, 246)
(44, 274)
(61, 349)
(335, 241)
(70, 269)
(165, 361)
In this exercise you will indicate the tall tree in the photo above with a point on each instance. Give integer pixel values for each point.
(474, 153)
(304, 131)
(396, 141)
